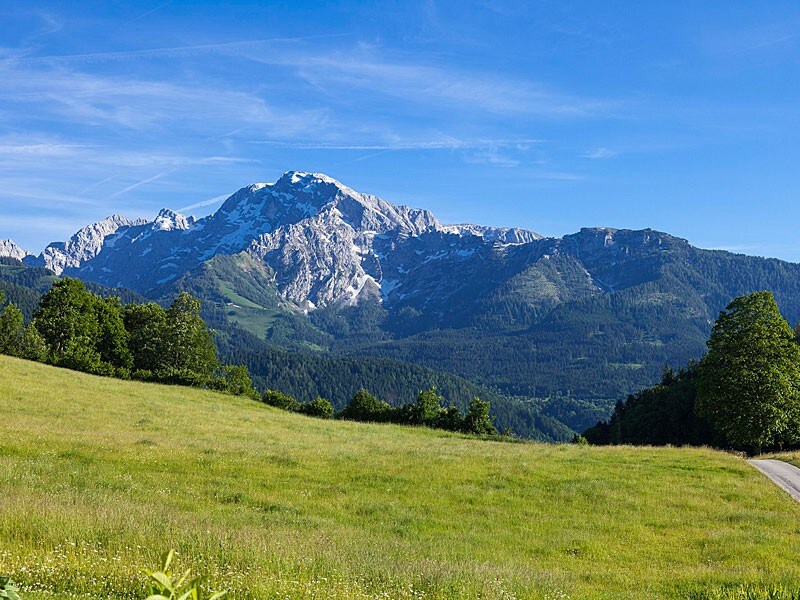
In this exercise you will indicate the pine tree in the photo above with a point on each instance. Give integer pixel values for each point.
(749, 383)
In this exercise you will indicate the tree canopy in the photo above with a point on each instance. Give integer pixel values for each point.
(749, 384)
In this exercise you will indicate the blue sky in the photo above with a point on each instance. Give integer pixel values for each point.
(681, 116)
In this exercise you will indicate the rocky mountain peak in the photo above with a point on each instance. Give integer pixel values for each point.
(84, 245)
(9, 249)
(168, 220)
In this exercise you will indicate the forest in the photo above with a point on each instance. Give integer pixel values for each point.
(744, 394)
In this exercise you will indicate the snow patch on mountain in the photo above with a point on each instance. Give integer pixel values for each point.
(503, 235)
(168, 220)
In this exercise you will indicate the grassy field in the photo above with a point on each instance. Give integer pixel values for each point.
(100, 476)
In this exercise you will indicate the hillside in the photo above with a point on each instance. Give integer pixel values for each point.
(298, 370)
(103, 475)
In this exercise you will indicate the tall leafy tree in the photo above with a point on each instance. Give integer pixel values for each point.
(189, 342)
(67, 321)
(749, 382)
(146, 325)
(12, 330)
(112, 338)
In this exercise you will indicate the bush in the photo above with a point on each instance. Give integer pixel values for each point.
(363, 406)
(279, 400)
(425, 411)
(450, 419)
(183, 377)
(477, 419)
(235, 380)
(142, 375)
(320, 408)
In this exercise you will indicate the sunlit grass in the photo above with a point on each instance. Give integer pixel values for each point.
(100, 476)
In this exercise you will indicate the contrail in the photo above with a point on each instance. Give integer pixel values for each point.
(138, 184)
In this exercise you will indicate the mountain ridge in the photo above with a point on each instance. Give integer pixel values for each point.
(580, 321)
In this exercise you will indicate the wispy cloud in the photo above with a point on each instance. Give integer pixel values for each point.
(751, 39)
(599, 153)
(423, 83)
(235, 48)
(401, 145)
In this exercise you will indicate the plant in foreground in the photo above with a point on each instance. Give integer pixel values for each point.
(162, 586)
(7, 590)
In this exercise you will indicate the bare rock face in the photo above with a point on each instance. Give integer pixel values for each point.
(83, 246)
(325, 243)
(9, 249)
(331, 257)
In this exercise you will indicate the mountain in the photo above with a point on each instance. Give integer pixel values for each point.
(309, 264)
(9, 249)
(85, 245)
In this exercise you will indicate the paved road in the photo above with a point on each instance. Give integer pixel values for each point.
(785, 475)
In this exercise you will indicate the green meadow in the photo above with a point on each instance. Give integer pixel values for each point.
(100, 476)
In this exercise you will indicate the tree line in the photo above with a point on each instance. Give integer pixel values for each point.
(744, 394)
(80, 330)
(427, 410)
(77, 329)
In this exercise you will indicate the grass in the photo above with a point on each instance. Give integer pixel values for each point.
(100, 476)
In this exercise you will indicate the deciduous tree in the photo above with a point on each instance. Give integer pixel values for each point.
(749, 383)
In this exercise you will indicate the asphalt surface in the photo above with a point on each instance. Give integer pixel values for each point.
(785, 475)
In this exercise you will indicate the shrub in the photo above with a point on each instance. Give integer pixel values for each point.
(477, 419)
(425, 411)
(142, 375)
(320, 408)
(235, 380)
(450, 419)
(279, 400)
(363, 406)
(183, 377)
